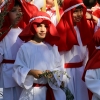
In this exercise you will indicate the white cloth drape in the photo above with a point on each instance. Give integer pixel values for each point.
(42, 57)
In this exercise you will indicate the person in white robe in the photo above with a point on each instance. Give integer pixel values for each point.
(76, 34)
(37, 56)
(9, 45)
(92, 72)
(52, 7)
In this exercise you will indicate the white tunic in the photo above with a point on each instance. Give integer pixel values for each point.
(77, 54)
(8, 48)
(42, 57)
(92, 77)
(92, 80)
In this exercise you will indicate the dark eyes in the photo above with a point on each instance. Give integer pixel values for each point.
(16, 9)
(13, 10)
(78, 10)
(39, 25)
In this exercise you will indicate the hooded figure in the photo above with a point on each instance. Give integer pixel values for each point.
(27, 10)
(75, 35)
(66, 27)
(91, 74)
(9, 45)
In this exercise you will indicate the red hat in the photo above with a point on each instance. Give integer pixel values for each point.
(66, 27)
(39, 17)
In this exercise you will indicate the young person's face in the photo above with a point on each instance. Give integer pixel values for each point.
(77, 14)
(15, 14)
(41, 31)
(50, 2)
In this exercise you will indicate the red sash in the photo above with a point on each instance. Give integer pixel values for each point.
(8, 61)
(49, 93)
(73, 65)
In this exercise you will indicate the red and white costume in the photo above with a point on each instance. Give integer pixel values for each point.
(92, 74)
(52, 12)
(9, 45)
(39, 56)
(73, 44)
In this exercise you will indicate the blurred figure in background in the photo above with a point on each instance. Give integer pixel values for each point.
(54, 9)
(9, 45)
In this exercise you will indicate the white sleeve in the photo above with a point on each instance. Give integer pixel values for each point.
(92, 80)
(58, 68)
(39, 3)
(21, 70)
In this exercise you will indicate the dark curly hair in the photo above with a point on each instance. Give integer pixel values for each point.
(90, 3)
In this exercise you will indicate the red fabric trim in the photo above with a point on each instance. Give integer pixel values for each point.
(90, 94)
(49, 93)
(91, 48)
(8, 61)
(28, 10)
(93, 62)
(73, 65)
(38, 85)
(96, 13)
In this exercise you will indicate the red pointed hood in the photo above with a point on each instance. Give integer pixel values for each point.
(66, 27)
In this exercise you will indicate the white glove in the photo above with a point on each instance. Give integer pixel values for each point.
(39, 3)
